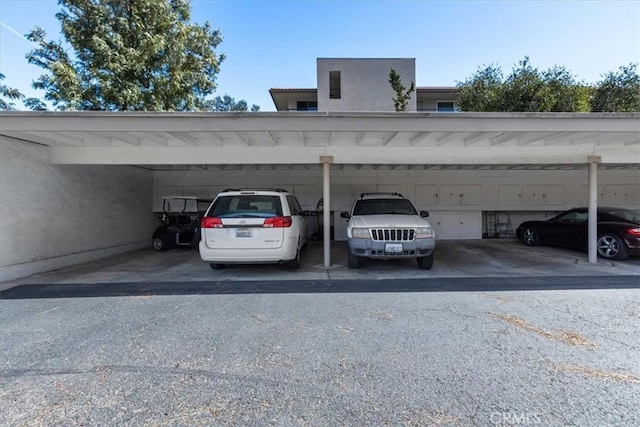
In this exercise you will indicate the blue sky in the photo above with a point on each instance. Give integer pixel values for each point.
(276, 43)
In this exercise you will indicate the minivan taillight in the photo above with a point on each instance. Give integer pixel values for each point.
(211, 222)
(278, 222)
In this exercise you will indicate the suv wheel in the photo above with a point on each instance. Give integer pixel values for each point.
(426, 262)
(353, 260)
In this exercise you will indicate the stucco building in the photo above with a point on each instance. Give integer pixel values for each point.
(76, 186)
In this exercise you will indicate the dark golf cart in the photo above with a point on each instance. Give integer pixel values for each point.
(180, 222)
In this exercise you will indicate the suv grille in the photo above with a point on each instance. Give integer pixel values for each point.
(393, 234)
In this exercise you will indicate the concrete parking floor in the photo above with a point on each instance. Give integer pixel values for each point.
(453, 259)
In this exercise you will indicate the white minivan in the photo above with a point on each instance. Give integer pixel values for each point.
(252, 226)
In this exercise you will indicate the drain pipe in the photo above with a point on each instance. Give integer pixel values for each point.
(592, 236)
(326, 207)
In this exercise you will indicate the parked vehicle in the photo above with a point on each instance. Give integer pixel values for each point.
(253, 226)
(618, 231)
(180, 223)
(387, 225)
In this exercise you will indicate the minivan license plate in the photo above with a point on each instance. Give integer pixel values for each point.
(243, 232)
(393, 248)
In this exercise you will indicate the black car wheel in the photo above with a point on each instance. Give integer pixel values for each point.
(426, 262)
(353, 260)
(216, 266)
(611, 246)
(158, 244)
(530, 237)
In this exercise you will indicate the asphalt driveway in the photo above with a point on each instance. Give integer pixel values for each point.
(552, 358)
(496, 334)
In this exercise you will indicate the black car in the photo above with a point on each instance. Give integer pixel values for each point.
(618, 231)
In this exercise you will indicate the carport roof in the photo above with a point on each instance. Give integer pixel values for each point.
(168, 140)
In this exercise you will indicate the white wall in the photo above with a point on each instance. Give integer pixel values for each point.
(53, 216)
(364, 83)
(456, 199)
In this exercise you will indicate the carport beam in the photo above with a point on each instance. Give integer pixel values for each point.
(592, 235)
(326, 208)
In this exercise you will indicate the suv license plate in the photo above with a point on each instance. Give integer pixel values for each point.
(243, 232)
(393, 248)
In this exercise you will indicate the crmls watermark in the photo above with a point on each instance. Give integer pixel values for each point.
(515, 418)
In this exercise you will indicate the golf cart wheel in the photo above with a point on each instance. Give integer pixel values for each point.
(216, 266)
(158, 244)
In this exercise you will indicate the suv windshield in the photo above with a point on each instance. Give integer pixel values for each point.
(246, 206)
(384, 206)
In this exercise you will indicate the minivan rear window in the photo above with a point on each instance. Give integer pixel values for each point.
(246, 206)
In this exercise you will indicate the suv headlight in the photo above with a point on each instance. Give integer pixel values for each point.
(360, 233)
(425, 233)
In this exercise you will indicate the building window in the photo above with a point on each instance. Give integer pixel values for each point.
(334, 84)
(307, 106)
(446, 107)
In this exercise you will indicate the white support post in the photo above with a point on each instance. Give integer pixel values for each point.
(592, 236)
(326, 208)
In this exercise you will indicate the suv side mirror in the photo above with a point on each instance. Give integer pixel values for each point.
(424, 214)
(345, 215)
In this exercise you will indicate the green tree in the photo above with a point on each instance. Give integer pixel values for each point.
(563, 93)
(482, 91)
(128, 55)
(227, 103)
(526, 89)
(35, 104)
(403, 95)
(618, 92)
(10, 94)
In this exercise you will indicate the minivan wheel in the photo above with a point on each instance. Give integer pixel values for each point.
(158, 244)
(216, 266)
(353, 260)
(426, 262)
(294, 264)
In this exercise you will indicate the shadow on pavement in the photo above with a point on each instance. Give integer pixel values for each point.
(466, 284)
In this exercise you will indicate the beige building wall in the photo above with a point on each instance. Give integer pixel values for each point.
(456, 199)
(364, 83)
(53, 216)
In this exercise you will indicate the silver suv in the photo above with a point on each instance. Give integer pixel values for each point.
(387, 225)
